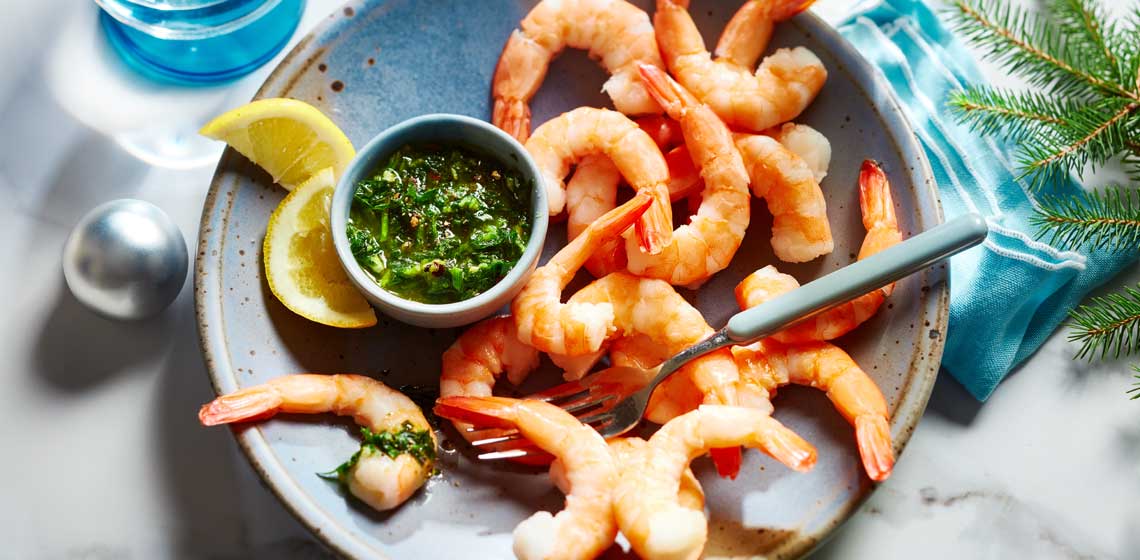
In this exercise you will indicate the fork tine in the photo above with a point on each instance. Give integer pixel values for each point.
(492, 440)
(499, 455)
(561, 391)
(588, 403)
(590, 420)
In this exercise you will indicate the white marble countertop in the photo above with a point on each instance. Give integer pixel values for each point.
(103, 456)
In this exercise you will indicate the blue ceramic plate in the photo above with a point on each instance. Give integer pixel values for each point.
(377, 63)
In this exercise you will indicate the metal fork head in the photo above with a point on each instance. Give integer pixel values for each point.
(608, 401)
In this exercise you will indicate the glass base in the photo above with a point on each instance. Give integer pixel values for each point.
(205, 59)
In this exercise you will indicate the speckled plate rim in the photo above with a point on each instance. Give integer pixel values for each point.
(350, 543)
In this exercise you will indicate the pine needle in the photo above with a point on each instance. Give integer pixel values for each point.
(1135, 390)
(1089, 29)
(1010, 114)
(1034, 48)
(1109, 219)
(1108, 325)
(1091, 135)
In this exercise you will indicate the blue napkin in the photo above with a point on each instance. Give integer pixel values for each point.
(1009, 294)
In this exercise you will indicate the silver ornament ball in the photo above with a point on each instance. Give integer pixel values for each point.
(125, 259)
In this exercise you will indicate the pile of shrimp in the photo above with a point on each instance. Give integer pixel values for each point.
(712, 129)
(688, 125)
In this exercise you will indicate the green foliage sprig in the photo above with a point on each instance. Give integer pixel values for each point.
(1108, 219)
(1083, 113)
(1087, 65)
(1108, 326)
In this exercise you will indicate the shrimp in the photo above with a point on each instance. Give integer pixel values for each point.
(654, 309)
(590, 193)
(827, 367)
(645, 499)
(806, 142)
(483, 352)
(800, 230)
(476, 359)
(570, 328)
(676, 396)
(615, 32)
(567, 138)
(708, 242)
(375, 477)
(782, 87)
(747, 34)
(882, 227)
(630, 452)
(586, 526)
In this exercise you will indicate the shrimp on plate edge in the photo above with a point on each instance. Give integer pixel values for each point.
(376, 478)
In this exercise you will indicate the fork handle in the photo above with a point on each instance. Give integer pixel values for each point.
(854, 280)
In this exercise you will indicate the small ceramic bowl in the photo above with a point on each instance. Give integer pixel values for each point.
(444, 129)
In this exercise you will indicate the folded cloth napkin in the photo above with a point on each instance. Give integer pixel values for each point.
(1009, 294)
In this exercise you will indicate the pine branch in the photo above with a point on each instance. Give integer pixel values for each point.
(1007, 113)
(1108, 220)
(1031, 47)
(1087, 27)
(1092, 135)
(1107, 325)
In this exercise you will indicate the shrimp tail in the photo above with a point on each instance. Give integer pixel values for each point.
(873, 435)
(787, 447)
(488, 412)
(727, 461)
(614, 222)
(513, 117)
(786, 9)
(518, 74)
(655, 228)
(875, 200)
(255, 403)
(672, 97)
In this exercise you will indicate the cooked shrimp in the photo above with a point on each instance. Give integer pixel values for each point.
(676, 396)
(376, 478)
(706, 244)
(882, 226)
(483, 352)
(590, 193)
(645, 498)
(654, 309)
(782, 87)
(800, 230)
(592, 189)
(630, 452)
(684, 178)
(827, 367)
(570, 328)
(567, 138)
(747, 34)
(613, 31)
(476, 359)
(807, 143)
(585, 527)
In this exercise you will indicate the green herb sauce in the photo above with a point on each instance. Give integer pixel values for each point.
(406, 440)
(440, 224)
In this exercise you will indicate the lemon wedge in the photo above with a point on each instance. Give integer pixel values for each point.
(289, 139)
(301, 263)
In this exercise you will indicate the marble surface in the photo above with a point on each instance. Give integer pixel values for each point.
(103, 456)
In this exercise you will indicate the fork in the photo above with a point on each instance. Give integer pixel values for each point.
(600, 401)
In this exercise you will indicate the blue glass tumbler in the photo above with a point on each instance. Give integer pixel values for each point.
(199, 41)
